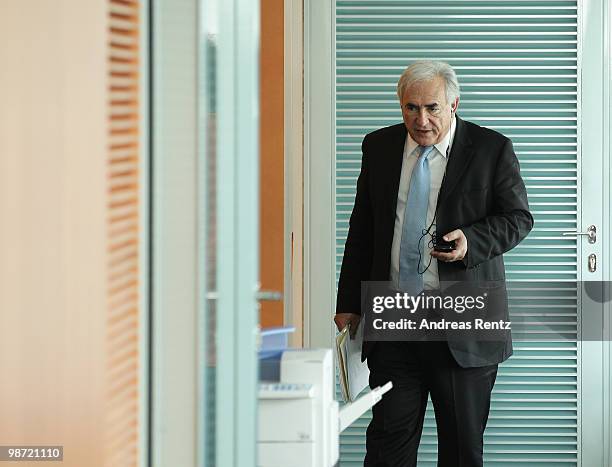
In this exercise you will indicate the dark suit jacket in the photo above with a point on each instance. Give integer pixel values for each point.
(483, 194)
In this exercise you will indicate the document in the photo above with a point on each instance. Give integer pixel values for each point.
(354, 373)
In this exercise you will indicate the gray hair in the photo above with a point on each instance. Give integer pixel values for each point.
(426, 70)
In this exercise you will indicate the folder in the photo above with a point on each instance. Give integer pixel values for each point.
(354, 374)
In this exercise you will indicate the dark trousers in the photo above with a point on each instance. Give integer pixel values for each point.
(461, 398)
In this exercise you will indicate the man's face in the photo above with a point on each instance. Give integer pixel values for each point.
(426, 113)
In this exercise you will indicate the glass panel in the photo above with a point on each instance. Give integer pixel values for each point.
(207, 47)
(229, 222)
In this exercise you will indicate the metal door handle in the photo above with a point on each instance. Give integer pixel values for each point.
(591, 233)
(269, 296)
(260, 295)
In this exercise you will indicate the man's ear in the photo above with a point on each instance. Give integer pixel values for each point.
(454, 106)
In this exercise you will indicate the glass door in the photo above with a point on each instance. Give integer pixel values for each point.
(204, 224)
(228, 174)
(533, 71)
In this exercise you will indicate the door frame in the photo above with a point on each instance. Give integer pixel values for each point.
(319, 169)
(293, 312)
(594, 129)
(594, 163)
(173, 233)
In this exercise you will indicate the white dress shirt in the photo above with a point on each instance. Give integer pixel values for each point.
(437, 165)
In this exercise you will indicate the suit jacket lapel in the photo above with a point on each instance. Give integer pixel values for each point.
(396, 156)
(458, 160)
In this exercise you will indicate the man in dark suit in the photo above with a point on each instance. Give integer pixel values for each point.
(438, 169)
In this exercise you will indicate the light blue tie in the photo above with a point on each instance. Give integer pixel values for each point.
(415, 218)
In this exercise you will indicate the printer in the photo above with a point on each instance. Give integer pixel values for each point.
(299, 420)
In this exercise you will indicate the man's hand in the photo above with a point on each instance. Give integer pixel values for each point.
(460, 247)
(342, 319)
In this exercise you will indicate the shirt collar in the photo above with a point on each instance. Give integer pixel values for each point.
(443, 147)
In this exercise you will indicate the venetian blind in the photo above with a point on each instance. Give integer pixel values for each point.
(123, 235)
